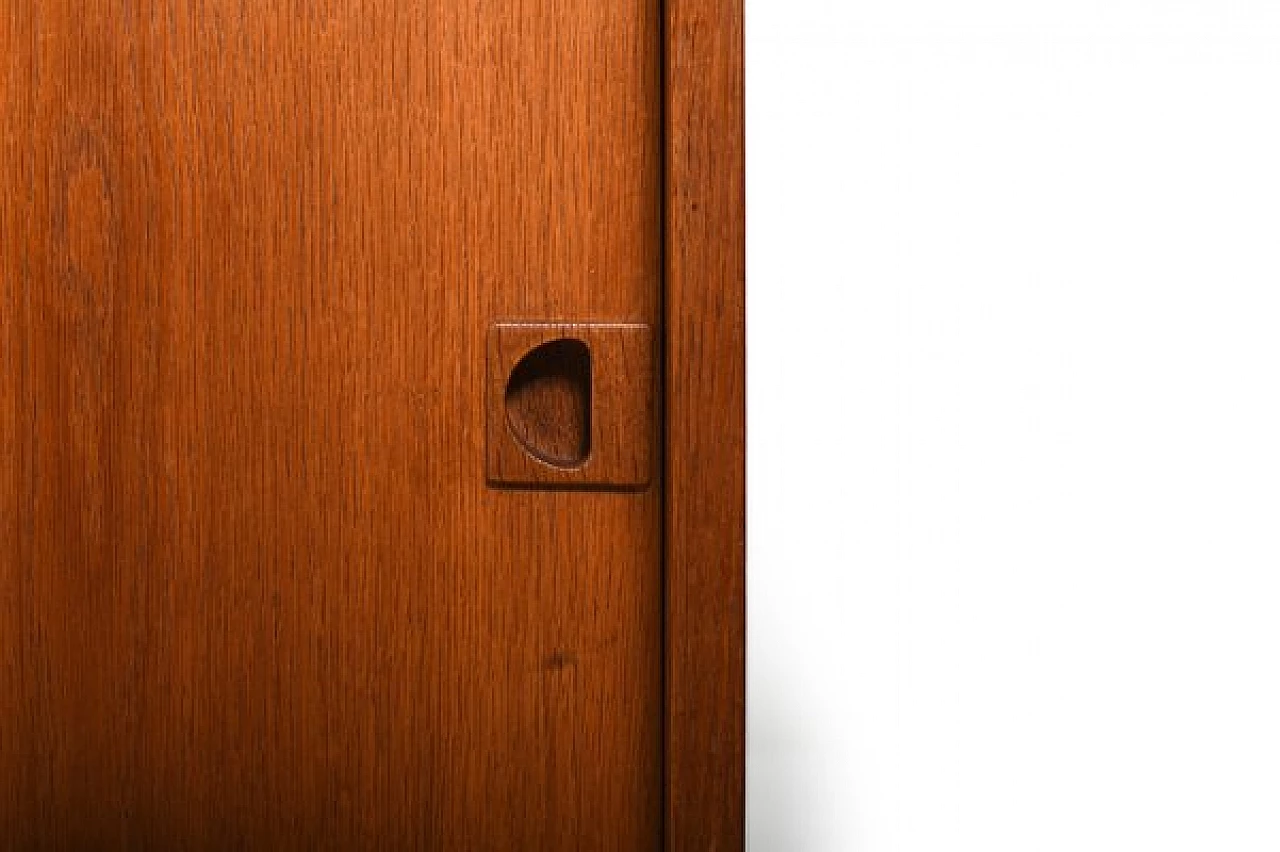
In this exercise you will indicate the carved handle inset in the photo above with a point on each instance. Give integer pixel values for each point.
(571, 405)
(548, 402)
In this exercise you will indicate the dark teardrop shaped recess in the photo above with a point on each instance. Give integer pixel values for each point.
(549, 402)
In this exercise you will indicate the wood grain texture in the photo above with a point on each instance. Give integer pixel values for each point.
(621, 422)
(254, 590)
(546, 403)
(706, 426)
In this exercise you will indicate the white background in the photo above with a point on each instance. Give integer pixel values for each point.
(1014, 406)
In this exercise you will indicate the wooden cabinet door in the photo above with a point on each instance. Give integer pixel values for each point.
(256, 590)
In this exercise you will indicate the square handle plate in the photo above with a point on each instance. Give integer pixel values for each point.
(571, 405)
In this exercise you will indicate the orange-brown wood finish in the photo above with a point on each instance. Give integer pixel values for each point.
(705, 426)
(597, 416)
(255, 592)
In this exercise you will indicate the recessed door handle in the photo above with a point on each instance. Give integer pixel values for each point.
(570, 405)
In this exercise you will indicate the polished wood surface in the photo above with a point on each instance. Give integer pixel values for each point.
(255, 592)
(706, 426)
(598, 416)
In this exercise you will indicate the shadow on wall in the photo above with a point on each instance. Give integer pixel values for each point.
(781, 775)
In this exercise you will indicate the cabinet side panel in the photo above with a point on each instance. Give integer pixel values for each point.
(706, 425)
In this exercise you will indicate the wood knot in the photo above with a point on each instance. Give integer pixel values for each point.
(561, 660)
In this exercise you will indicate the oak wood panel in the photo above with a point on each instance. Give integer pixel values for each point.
(254, 591)
(705, 530)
